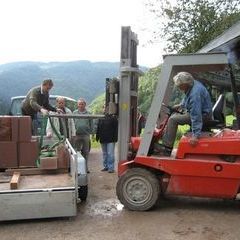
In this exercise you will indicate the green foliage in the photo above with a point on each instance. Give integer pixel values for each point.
(94, 143)
(146, 88)
(189, 25)
(229, 120)
(96, 106)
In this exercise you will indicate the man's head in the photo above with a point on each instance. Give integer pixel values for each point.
(47, 84)
(81, 104)
(60, 102)
(183, 80)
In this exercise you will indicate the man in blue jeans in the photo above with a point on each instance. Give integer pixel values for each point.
(107, 134)
(197, 109)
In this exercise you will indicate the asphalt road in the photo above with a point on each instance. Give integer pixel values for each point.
(102, 217)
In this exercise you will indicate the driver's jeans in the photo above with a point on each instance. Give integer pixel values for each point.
(172, 126)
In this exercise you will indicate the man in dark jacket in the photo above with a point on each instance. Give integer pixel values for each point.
(37, 100)
(107, 134)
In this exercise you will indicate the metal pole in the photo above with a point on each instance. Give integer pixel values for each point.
(84, 116)
(235, 95)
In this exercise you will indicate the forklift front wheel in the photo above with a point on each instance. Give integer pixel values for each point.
(138, 189)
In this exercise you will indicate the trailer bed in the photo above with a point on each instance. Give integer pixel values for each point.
(42, 196)
(41, 182)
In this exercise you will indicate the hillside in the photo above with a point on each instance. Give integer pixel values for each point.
(74, 79)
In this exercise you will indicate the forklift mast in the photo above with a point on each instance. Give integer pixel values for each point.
(128, 91)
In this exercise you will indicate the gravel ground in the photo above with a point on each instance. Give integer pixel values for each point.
(103, 217)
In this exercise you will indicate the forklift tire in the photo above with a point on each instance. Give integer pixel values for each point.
(138, 189)
(83, 192)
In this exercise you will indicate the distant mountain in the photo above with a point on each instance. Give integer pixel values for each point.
(73, 79)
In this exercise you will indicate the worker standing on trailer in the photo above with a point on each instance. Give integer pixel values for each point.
(197, 109)
(37, 100)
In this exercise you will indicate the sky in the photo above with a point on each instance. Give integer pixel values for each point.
(69, 30)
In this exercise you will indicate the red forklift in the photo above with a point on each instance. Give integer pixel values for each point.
(210, 169)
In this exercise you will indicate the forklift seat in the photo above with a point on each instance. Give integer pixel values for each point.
(218, 109)
(218, 120)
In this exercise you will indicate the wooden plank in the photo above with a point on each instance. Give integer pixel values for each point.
(34, 171)
(15, 180)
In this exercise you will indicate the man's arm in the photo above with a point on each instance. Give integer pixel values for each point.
(196, 115)
(47, 105)
(33, 96)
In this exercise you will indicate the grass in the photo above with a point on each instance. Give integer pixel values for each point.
(229, 120)
(94, 143)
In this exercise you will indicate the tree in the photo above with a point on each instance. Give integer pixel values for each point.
(96, 106)
(188, 25)
(146, 89)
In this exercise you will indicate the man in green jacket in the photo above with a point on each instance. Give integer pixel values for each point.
(37, 101)
(84, 127)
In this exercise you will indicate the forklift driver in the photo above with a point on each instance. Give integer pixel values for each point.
(197, 109)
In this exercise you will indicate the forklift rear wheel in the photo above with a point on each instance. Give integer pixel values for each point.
(83, 192)
(138, 189)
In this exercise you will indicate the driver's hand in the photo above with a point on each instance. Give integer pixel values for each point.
(177, 107)
(193, 141)
(44, 112)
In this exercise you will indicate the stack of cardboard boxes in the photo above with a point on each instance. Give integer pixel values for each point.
(18, 149)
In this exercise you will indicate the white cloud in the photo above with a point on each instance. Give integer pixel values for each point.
(65, 30)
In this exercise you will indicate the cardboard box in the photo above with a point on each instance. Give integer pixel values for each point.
(5, 129)
(9, 128)
(28, 153)
(8, 155)
(15, 127)
(25, 129)
(48, 162)
(63, 157)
